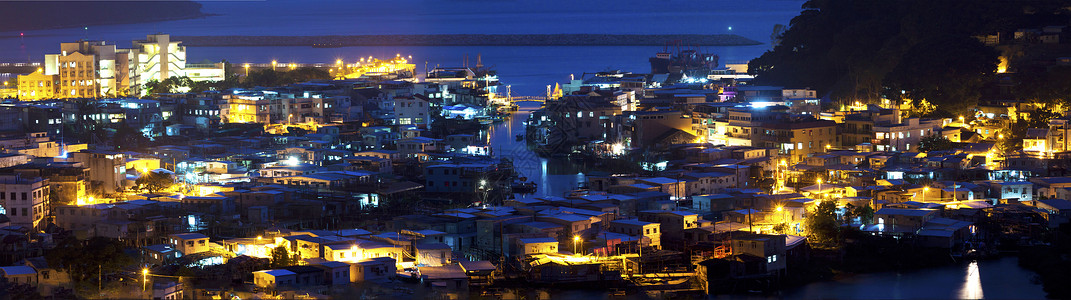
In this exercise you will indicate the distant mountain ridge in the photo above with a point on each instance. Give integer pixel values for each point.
(35, 15)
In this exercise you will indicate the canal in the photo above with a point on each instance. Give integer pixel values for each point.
(554, 176)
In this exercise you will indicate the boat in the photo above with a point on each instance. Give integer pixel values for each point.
(688, 61)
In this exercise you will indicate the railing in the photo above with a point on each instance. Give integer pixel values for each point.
(528, 99)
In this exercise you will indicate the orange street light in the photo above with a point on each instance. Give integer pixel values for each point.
(273, 63)
(144, 278)
(576, 240)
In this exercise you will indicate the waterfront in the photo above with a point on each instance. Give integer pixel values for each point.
(1000, 278)
(555, 176)
(527, 69)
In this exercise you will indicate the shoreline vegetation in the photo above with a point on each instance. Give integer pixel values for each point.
(16, 16)
(468, 40)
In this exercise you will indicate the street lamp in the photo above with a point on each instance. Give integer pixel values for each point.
(820, 187)
(576, 240)
(924, 191)
(246, 66)
(144, 278)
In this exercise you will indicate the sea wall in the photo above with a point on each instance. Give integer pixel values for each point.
(470, 40)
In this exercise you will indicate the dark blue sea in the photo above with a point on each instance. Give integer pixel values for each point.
(527, 69)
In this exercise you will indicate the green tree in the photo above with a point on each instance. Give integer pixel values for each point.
(83, 260)
(865, 50)
(823, 230)
(865, 213)
(154, 181)
(280, 258)
(935, 143)
(1014, 132)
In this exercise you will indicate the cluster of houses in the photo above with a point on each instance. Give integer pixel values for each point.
(730, 173)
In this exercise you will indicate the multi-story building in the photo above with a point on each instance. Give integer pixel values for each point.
(903, 136)
(25, 200)
(38, 86)
(412, 111)
(158, 57)
(107, 169)
(93, 69)
(243, 108)
(799, 139)
(648, 230)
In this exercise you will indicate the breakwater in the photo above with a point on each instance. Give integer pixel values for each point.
(470, 40)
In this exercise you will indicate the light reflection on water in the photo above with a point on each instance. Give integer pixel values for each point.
(1002, 278)
(972, 285)
(554, 176)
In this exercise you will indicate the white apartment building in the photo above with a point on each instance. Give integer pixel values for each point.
(24, 200)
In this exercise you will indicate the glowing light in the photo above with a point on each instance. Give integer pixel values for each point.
(779, 208)
(972, 286)
(260, 238)
(293, 161)
(576, 238)
(338, 62)
(1002, 67)
(145, 271)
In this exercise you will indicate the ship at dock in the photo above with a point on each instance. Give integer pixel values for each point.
(685, 60)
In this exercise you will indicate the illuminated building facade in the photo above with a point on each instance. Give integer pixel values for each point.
(798, 140)
(157, 58)
(94, 69)
(38, 86)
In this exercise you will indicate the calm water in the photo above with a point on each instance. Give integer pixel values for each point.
(990, 279)
(554, 176)
(527, 69)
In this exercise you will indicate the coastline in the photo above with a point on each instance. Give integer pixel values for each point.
(469, 40)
